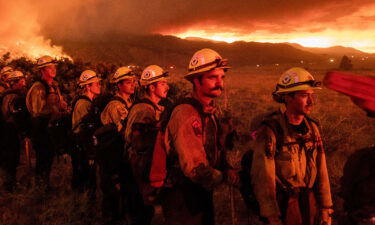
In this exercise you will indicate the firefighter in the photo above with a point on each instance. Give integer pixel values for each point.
(196, 161)
(140, 137)
(83, 155)
(45, 103)
(13, 102)
(4, 73)
(289, 172)
(115, 113)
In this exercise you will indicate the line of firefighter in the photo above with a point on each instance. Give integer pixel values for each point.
(176, 152)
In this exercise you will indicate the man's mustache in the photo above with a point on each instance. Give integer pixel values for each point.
(217, 88)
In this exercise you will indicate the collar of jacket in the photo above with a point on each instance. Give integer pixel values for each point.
(156, 106)
(128, 101)
(207, 108)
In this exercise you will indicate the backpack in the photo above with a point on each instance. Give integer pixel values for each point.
(107, 141)
(20, 115)
(246, 188)
(73, 105)
(17, 101)
(137, 156)
(161, 164)
(91, 121)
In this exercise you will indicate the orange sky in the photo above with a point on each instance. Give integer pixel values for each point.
(350, 38)
(312, 29)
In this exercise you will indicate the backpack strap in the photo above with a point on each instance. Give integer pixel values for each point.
(118, 98)
(277, 130)
(145, 101)
(74, 102)
(45, 85)
(166, 116)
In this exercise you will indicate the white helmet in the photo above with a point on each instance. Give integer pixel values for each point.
(88, 77)
(205, 60)
(153, 74)
(15, 75)
(122, 73)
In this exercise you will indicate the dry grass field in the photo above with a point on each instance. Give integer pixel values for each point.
(344, 127)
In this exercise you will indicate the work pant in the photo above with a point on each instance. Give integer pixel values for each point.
(298, 207)
(188, 204)
(44, 150)
(84, 175)
(136, 210)
(111, 197)
(9, 155)
(44, 155)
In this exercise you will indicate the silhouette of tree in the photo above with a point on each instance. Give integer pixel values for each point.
(346, 63)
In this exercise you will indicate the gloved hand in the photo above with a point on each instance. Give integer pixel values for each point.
(274, 221)
(118, 186)
(65, 157)
(233, 177)
(325, 217)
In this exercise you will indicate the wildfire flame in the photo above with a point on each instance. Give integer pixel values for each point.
(20, 32)
(32, 49)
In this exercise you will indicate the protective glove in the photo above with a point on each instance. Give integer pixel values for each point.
(325, 217)
(273, 220)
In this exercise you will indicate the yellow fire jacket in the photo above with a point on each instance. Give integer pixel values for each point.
(299, 162)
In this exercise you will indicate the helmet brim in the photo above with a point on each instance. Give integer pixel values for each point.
(114, 81)
(45, 65)
(96, 79)
(145, 82)
(304, 87)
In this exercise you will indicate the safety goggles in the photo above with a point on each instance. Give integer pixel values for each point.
(132, 74)
(217, 63)
(165, 74)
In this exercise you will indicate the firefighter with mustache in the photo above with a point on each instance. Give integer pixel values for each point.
(289, 172)
(140, 137)
(197, 161)
(45, 104)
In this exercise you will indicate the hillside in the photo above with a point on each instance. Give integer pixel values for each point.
(170, 50)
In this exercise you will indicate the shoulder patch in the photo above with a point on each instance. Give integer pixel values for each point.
(197, 127)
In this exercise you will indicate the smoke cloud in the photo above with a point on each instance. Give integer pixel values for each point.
(97, 18)
(26, 27)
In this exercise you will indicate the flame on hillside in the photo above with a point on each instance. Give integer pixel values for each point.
(20, 32)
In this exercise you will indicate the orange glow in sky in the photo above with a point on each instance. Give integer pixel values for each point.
(354, 30)
(358, 40)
